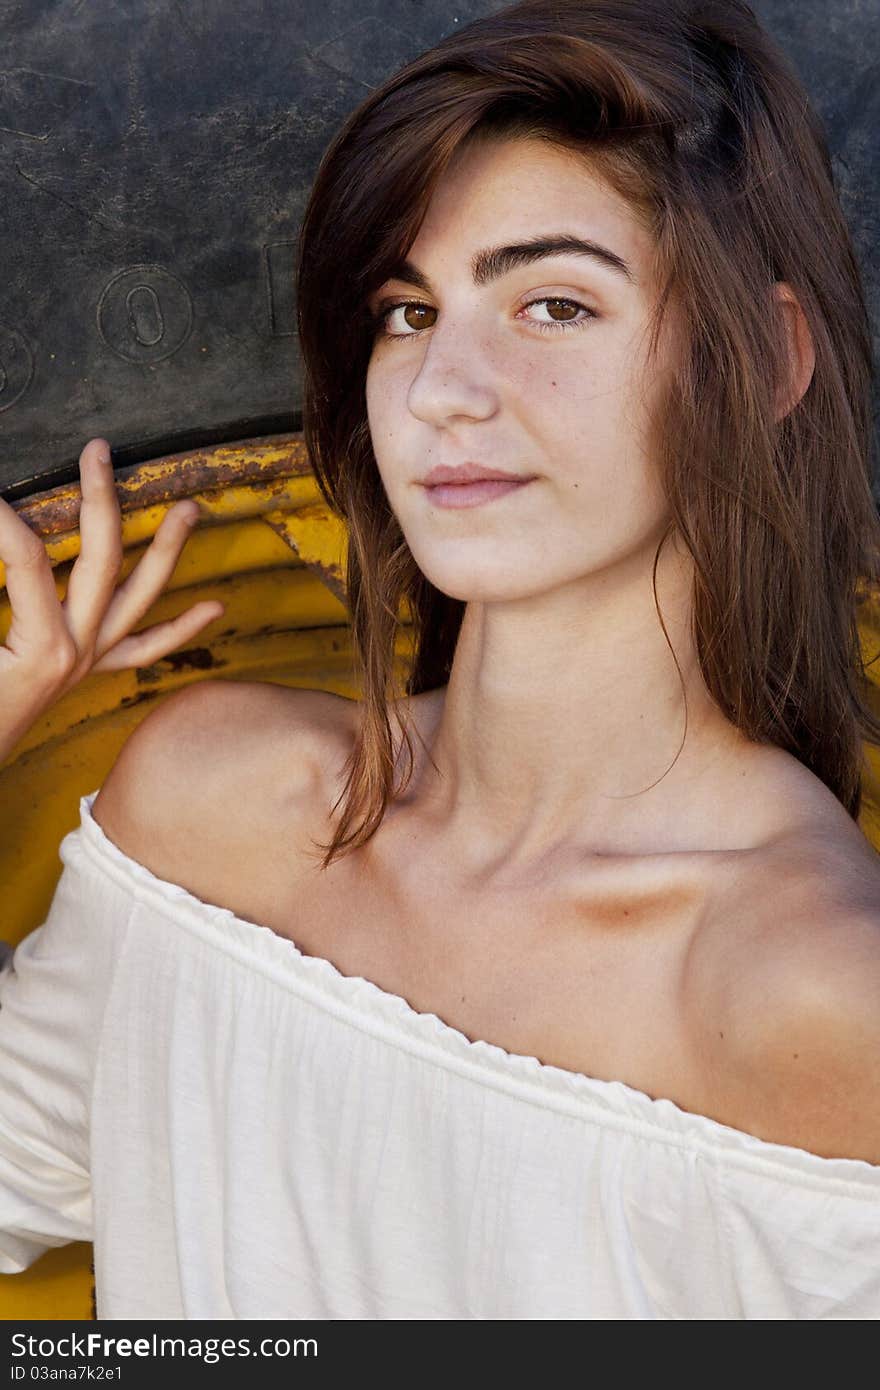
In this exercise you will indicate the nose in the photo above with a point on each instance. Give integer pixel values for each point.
(453, 378)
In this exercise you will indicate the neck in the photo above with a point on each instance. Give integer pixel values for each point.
(564, 711)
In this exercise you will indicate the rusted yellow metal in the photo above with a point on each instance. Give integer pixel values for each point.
(272, 552)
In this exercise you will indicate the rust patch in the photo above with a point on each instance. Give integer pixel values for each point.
(328, 576)
(173, 477)
(139, 698)
(190, 659)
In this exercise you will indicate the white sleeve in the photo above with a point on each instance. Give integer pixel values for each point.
(53, 991)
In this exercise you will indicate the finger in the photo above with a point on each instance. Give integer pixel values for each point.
(93, 577)
(136, 595)
(37, 617)
(143, 648)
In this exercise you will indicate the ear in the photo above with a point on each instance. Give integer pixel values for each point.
(801, 356)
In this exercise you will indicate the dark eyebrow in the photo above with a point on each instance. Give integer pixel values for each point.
(493, 262)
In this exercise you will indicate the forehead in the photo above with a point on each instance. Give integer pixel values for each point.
(505, 189)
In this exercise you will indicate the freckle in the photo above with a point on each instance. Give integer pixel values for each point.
(720, 1034)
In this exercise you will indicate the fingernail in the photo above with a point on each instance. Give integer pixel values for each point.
(92, 466)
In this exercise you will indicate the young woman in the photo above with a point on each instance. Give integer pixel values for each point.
(546, 987)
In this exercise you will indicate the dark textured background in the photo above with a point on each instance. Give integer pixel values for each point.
(155, 159)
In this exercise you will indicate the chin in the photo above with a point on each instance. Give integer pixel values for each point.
(476, 588)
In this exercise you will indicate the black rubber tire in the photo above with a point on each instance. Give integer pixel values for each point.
(156, 157)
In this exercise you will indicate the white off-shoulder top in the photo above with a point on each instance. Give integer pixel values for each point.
(245, 1132)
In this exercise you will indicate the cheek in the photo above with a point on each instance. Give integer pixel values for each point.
(385, 396)
(589, 380)
(596, 438)
(585, 412)
(373, 397)
(380, 420)
(387, 438)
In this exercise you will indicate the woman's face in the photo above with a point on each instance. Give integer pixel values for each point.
(488, 368)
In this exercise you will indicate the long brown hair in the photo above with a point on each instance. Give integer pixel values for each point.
(694, 115)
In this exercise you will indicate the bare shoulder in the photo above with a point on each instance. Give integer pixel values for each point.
(791, 1020)
(214, 769)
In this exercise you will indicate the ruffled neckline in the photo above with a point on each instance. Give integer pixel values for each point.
(613, 1103)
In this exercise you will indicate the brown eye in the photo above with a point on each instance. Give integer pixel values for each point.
(564, 304)
(553, 306)
(414, 315)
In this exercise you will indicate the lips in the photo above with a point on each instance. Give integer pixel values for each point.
(468, 473)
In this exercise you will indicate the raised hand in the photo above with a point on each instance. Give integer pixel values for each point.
(52, 645)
